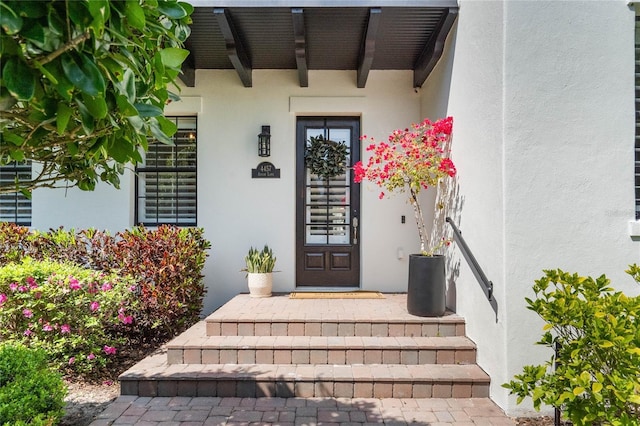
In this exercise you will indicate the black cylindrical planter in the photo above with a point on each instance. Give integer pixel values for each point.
(427, 285)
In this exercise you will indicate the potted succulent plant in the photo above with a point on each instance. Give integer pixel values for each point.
(409, 161)
(259, 269)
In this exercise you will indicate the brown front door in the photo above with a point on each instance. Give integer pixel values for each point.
(327, 210)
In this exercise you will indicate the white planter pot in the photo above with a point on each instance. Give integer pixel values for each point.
(260, 284)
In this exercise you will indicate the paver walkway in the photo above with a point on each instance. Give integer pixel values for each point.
(202, 411)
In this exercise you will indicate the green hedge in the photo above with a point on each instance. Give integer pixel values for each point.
(30, 393)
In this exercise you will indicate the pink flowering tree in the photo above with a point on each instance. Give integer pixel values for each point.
(409, 161)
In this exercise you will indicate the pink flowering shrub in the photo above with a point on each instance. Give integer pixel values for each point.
(78, 316)
(409, 161)
(166, 263)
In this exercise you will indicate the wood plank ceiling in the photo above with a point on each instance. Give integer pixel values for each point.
(319, 38)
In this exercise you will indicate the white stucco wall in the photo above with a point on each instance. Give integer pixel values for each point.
(106, 208)
(569, 133)
(542, 96)
(237, 211)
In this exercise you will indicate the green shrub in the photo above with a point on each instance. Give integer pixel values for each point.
(30, 393)
(14, 242)
(166, 262)
(73, 313)
(597, 331)
(89, 248)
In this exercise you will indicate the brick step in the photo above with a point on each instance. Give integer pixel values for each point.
(280, 316)
(194, 348)
(279, 327)
(155, 377)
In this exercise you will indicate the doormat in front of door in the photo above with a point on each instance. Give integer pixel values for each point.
(336, 295)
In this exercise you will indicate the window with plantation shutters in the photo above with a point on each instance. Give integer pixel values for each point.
(166, 184)
(327, 206)
(15, 207)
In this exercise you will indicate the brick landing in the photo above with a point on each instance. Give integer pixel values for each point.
(185, 411)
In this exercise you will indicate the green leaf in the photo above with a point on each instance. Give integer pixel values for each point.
(182, 32)
(114, 68)
(158, 133)
(537, 394)
(99, 9)
(17, 155)
(30, 9)
(596, 387)
(171, 9)
(167, 126)
(187, 7)
(135, 14)
(62, 117)
(10, 21)
(78, 13)
(96, 105)
(635, 351)
(73, 148)
(26, 193)
(83, 73)
(578, 390)
(13, 138)
(19, 80)
(126, 108)
(56, 24)
(34, 33)
(136, 122)
(63, 85)
(566, 395)
(146, 110)
(88, 123)
(86, 184)
(120, 150)
(127, 86)
(173, 57)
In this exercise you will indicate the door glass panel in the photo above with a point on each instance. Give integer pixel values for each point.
(327, 201)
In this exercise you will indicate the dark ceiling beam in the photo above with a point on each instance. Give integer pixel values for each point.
(235, 49)
(434, 47)
(188, 75)
(368, 46)
(327, 3)
(301, 46)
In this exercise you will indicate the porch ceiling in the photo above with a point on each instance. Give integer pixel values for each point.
(318, 35)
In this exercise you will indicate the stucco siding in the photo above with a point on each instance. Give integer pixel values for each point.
(542, 96)
(569, 132)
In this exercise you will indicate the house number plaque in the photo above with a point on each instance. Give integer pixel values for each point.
(265, 170)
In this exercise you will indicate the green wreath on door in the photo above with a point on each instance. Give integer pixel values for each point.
(326, 158)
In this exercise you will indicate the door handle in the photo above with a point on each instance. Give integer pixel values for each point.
(355, 230)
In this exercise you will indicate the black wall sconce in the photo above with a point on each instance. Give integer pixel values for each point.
(264, 142)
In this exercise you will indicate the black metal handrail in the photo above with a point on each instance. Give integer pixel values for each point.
(487, 286)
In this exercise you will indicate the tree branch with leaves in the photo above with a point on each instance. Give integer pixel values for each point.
(84, 85)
